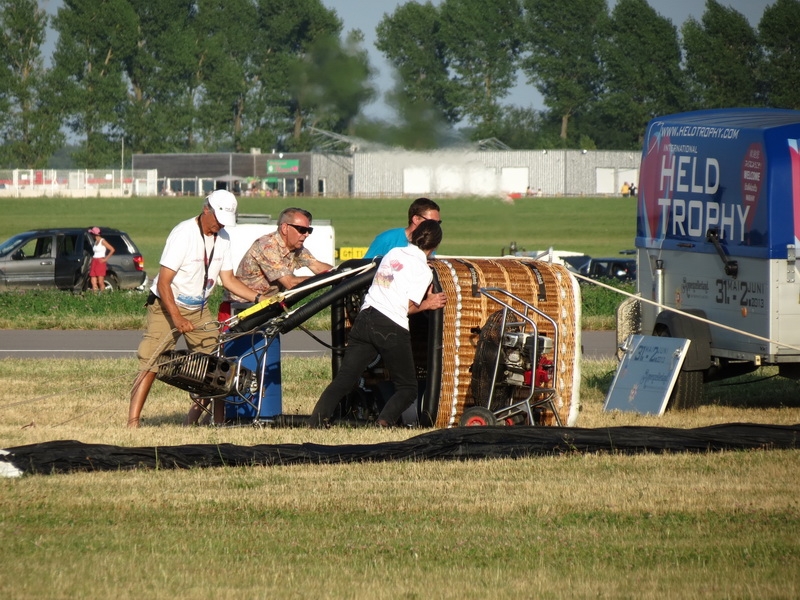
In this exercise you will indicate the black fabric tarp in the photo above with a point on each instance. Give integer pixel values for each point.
(444, 444)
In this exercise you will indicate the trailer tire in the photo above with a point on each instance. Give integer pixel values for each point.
(688, 390)
(477, 416)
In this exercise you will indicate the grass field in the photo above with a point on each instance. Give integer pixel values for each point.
(719, 525)
(578, 526)
(472, 226)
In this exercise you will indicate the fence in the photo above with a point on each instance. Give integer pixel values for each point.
(28, 183)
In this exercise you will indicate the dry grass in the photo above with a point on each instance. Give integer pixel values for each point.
(681, 526)
(87, 399)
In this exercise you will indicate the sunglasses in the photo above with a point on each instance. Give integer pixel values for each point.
(427, 219)
(301, 229)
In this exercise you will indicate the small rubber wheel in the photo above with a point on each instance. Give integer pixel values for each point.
(477, 416)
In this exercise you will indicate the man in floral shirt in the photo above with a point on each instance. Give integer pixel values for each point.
(268, 266)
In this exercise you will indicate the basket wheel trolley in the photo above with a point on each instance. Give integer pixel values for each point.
(514, 370)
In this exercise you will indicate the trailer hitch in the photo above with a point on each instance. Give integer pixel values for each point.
(731, 266)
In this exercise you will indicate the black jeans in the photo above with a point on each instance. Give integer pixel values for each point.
(373, 333)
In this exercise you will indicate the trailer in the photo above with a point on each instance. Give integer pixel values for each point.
(717, 231)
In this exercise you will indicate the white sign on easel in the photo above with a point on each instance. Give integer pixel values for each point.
(646, 375)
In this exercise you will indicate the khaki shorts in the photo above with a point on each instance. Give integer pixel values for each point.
(159, 336)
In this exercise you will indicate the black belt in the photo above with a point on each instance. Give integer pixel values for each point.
(151, 299)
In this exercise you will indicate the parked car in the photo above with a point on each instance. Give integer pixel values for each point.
(621, 269)
(578, 263)
(60, 258)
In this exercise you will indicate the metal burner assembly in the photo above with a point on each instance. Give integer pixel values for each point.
(206, 375)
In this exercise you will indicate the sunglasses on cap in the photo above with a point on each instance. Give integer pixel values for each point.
(301, 229)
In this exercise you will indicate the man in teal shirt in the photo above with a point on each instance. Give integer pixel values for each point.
(421, 210)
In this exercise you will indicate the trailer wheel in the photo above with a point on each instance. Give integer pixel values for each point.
(477, 416)
(688, 390)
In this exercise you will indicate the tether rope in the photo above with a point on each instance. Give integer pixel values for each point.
(684, 313)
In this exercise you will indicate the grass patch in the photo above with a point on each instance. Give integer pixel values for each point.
(53, 309)
(647, 526)
(107, 311)
(389, 531)
(472, 226)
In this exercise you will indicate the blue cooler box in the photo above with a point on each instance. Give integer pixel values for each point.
(252, 348)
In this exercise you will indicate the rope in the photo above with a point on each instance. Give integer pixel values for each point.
(684, 313)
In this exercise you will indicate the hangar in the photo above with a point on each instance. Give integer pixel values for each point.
(350, 167)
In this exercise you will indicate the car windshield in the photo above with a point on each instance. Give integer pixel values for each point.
(576, 262)
(12, 244)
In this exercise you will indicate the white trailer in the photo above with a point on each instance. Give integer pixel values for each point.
(718, 225)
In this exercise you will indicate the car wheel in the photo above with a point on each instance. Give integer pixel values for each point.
(111, 283)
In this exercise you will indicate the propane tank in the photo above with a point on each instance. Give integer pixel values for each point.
(658, 282)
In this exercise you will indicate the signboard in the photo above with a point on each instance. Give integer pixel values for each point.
(285, 166)
(734, 171)
(646, 375)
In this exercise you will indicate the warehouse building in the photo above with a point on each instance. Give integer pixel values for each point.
(353, 168)
(257, 174)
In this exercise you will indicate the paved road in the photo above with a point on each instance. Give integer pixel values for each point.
(123, 344)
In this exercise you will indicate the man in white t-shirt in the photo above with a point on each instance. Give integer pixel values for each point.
(197, 251)
(402, 286)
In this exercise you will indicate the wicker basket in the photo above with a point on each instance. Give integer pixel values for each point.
(549, 288)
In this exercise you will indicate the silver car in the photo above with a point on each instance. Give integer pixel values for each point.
(60, 258)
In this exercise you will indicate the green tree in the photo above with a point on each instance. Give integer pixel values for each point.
(723, 59)
(483, 45)
(523, 128)
(90, 90)
(778, 32)
(285, 50)
(410, 39)
(29, 129)
(330, 84)
(563, 40)
(161, 70)
(419, 125)
(225, 30)
(642, 75)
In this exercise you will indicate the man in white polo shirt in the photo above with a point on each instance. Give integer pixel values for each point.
(197, 251)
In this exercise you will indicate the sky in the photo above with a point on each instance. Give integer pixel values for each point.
(366, 14)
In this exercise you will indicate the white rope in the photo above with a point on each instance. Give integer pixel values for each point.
(684, 313)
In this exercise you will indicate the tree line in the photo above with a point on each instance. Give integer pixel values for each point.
(229, 75)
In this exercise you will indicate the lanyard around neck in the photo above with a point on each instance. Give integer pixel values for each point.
(207, 258)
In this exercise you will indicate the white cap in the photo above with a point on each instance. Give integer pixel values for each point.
(224, 205)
